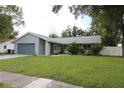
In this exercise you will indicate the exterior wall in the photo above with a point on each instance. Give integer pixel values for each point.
(8, 44)
(41, 47)
(28, 39)
(47, 48)
(112, 51)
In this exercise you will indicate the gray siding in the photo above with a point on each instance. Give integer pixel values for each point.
(47, 48)
(28, 39)
(41, 47)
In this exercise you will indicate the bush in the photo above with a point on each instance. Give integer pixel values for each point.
(95, 49)
(81, 50)
(73, 48)
(88, 52)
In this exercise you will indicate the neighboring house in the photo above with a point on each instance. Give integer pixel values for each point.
(36, 44)
(7, 46)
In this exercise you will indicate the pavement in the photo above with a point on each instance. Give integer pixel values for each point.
(24, 81)
(11, 56)
(48, 83)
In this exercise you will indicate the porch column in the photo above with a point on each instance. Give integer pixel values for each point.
(47, 48)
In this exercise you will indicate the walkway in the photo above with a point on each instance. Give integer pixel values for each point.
(2, 57)
(23, 81)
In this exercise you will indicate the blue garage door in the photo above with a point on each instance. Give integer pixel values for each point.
(26, 48)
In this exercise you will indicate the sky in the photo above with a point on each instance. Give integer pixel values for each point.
(40, 19)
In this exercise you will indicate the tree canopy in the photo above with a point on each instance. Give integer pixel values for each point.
(15, 12)
(53, 35)
(6, 26)
(10, 16)
(72, 31)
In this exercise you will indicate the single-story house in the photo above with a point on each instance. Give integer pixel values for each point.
(7, 46)
(36, 44)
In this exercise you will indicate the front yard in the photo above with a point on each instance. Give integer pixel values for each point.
(85, 71)
(2, 85)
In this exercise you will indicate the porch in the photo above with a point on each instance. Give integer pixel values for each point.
(62, 48)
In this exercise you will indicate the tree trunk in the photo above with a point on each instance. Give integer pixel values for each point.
(122, 31)
(123, 42)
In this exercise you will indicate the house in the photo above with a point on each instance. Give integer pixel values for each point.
(36, 44)
(7, 46)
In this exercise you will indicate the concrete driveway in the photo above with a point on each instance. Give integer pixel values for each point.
(16, 80)
(24, 81)
(11, 56)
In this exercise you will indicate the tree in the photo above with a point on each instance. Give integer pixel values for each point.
(15, 12)
(112, 16)
(73, 48)
(5, 27)
(67, 32)
(53, 36)
(72, 32)
(10, 16)
(109, 37)
(95, 49)
(13, 35)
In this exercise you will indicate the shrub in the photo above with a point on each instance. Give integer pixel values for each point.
(88, 52)
(73, 48)
(81, 50)
(95, 49)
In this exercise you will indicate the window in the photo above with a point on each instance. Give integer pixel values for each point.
(80, 45)
(4, 46)
(87, 46)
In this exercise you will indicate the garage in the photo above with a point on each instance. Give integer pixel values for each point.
(26, 48)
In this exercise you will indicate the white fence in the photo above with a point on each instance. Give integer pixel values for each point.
(112, 51)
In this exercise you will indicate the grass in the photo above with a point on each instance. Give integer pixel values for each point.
(85, 71)
(3, 85)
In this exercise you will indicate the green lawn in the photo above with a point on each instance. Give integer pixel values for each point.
(85, 71)
(2, 85)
